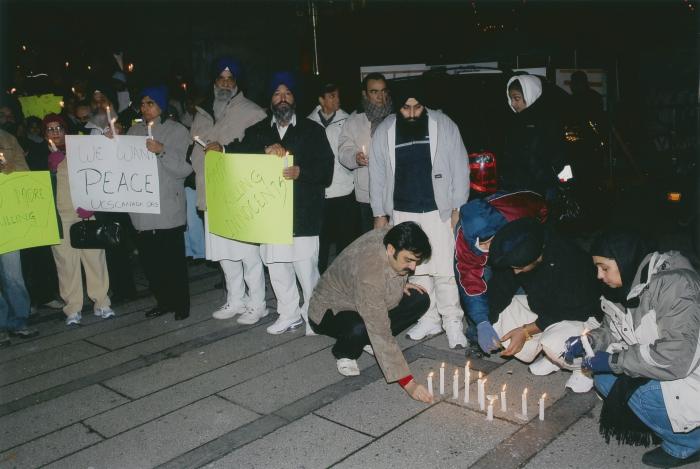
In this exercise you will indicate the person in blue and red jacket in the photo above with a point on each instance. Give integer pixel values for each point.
(479, 220)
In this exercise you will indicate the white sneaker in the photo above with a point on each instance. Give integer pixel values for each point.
(368, 349)
(253, 315)
(74, 319)
(347, 367)
(104, 313)
(543, 366)
(424, 329)
(228, 311)
(579, 382)
(309, 332)
(455, 336)
(283, 325)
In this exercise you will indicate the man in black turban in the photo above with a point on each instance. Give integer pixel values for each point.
(543, 287)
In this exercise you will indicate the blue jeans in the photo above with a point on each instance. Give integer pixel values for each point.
(647, 403)
(14, 299)
(194, 235)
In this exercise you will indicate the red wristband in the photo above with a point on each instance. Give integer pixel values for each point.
(404, 381)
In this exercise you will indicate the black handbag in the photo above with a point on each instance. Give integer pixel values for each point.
(95, 234)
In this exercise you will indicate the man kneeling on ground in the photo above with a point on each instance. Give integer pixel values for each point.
(364, 298)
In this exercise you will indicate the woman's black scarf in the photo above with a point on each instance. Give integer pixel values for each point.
(616, 418)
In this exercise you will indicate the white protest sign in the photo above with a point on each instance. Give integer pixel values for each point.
(112, 175)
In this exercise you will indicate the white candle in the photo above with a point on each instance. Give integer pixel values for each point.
(524, 403)
(455, 385)
(542, 406)
(586, 343)
(467, 377)
(52, 145)
(111, 126)
(199, 141)
(109, 114)
(363, 149)
(442, 378)
(481, 391)
(504, 405)
(430, 383)
(150, 133)
(286, 165)
(489, 410)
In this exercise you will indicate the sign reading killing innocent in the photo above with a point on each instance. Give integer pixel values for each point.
(112, 175)
(27, 211)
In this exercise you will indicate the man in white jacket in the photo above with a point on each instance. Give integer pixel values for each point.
(219, 121)
(418, 172)
(338, 223)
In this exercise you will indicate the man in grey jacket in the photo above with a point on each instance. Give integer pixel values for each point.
(418, 172)
(219, 121)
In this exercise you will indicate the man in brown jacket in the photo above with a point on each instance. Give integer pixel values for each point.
(364, 298)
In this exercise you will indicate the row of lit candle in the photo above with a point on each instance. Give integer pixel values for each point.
(481, 392)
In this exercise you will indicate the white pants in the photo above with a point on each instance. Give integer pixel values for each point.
(247, 271)
(283, 277)
(550, 341)
(444, 298)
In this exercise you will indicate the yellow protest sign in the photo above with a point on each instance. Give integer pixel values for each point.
(27, 211)
(248, 199)
(40, 106)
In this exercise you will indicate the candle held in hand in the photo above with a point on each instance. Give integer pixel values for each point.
(52, 145)
(150, 132)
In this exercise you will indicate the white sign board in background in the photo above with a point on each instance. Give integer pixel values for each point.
(112, 175)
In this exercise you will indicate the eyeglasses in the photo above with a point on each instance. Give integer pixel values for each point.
(58, 129)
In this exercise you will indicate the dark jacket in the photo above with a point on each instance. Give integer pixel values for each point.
(534, 151)
(562, 287)
(308, 144)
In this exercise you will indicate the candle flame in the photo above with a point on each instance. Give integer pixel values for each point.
(130, 67)
(481, 375)
(430, 375)
(469, 363)
(456, 372)
(61, 103)
(484, 381)
(150, 124)
(503, 388)
(73, 89)
(525, 391)
(286, 153)
(543, 396)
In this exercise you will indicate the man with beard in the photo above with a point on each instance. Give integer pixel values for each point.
(418, 172)
(221, 119)
(312, 172)
(364, 298)
(101, 98)
(355, 139)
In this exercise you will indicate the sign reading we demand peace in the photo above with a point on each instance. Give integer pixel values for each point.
(112, 174)
(27, 211)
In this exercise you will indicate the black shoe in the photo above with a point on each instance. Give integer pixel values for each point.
(155, 312)
(181, 316)
(24, 333)
(660, 458)
(474, 351)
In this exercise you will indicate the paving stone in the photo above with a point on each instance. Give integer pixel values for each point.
(384, 406)
(49, 448)
(310, 442)
(444, 436)
(69, 373)
(47, 360)
(44, 418)
(167, 400)
(582, 446)
(167, 372)
(270, 391)
(163, 439)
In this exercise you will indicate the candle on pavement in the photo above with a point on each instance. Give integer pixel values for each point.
(542, 406)
(467, 376)
(481, 391)
(442, 378)
(489, 410)
(504, 405)
(524, 403)
(430, 383)
(455, 385)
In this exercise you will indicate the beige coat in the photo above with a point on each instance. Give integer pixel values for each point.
(12, 152)
(240, 113)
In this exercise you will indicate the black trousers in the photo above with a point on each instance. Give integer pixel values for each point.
(351, 332)
(339, 221)
(40, 277)
(365, 218)
(162, 254)
(121, 272)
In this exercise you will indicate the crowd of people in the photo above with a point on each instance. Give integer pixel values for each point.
(385, 240)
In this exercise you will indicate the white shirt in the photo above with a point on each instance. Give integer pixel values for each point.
(283, 130)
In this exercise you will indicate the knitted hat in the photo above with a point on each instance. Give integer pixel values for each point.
(517, 244)
(159, 94)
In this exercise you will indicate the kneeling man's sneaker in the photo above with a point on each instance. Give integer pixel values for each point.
(104, 313)
(74, 319)
(348, 367)
(253, 315)
(283, 325)
(424, 329)
(660, 458)
(579, 382)
(368, 349)
(543, 366)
